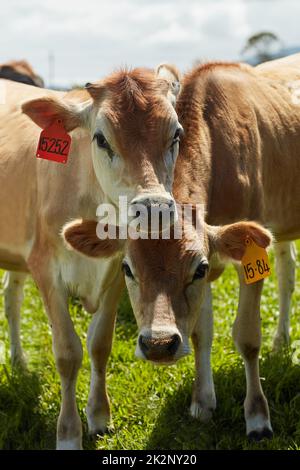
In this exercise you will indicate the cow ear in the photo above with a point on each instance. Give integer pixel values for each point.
(96, 90)
(230, 240)
(44, 111)
(170, 77)
(81, 235)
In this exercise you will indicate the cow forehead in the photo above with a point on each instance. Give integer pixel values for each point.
(149, 129)
(133, 91)
(158, 113)
(135, 104)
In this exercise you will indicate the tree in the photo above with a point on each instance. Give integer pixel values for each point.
(264, 45)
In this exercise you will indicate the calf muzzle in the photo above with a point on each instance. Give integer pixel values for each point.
(159, 349)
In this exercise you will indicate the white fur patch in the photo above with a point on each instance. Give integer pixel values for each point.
(257, 423)
(71, 444)
(85, 277)
(294, 89)
(99, 423)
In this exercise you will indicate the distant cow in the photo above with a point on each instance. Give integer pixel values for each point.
(124, 142)
(20, 71)
(239, 158)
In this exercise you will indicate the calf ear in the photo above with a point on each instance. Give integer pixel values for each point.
(81, 235)
(230, 240)
(44, 111)
(171, 76)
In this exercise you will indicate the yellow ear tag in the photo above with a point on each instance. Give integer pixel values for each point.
(255, 262)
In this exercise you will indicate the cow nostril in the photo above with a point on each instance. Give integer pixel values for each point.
(174, 344)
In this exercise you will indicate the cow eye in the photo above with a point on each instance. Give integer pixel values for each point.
(200, 271)
(101, 141)
(126, 269)
(176, 138)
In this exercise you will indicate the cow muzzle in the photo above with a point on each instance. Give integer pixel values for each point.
(162, 348)
(159, 211)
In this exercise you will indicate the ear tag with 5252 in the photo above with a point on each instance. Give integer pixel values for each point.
(54, 143)
(255, 262)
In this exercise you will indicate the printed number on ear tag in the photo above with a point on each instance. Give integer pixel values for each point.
(54, 143)
(255, 262)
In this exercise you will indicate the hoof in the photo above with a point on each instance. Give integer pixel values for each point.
(95, 434)
(201, 413)
(99, 422)
(69, 444)
(257, 436)
(19, 362)
(280, 342)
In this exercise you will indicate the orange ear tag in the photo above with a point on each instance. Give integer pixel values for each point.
(54, 143)
(255, 262)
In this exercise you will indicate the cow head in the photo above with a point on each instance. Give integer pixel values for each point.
(21, 71)
(134, 132)
(166, 278)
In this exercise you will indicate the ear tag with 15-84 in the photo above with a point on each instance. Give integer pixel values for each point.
(255, 262)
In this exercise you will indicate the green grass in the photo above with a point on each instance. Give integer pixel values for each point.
(149, 404)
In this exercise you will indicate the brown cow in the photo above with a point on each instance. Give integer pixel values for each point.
(20, 71)
(239, 158)
(124, 142)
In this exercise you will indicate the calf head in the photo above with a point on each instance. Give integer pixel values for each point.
(166, 278)
(134, 132)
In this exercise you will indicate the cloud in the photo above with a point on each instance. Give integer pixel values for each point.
(90, 38)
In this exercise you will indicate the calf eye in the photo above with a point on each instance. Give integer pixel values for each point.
(101, 141)
(126, 269)
(200, 271)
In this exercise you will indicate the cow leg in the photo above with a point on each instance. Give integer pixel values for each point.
(13, 298)
(247, 337)
(68, 357)
(67, 351)
(203, 397)
(285, 255)
(99, 344)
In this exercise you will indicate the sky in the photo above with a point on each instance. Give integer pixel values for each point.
(88, 39)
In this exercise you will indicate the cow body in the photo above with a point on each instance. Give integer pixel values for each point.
(252, 171)
(38, 201)
(37, 198)
(243, 144)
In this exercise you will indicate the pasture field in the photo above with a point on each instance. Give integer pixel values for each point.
(150, 404)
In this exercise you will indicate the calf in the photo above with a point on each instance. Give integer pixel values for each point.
(239, 160)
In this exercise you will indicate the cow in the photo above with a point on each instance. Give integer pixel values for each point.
(21, 71)
(239, 159)
(285, 251)
(124, 132)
